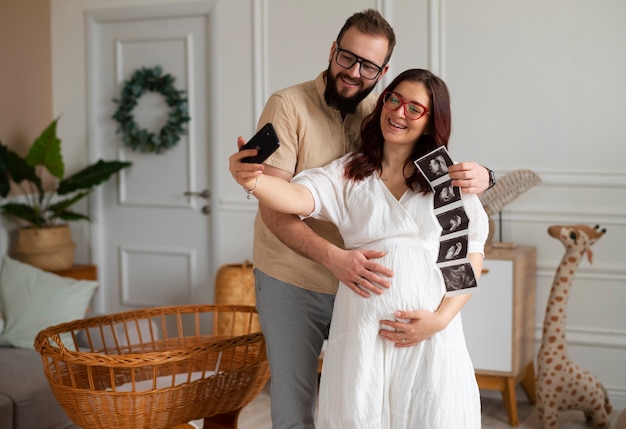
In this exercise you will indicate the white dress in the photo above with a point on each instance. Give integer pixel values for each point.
(366, 381)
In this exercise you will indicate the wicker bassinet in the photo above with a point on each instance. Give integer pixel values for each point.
(174, 371)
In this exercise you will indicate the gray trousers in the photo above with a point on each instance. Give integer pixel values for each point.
(295, 323)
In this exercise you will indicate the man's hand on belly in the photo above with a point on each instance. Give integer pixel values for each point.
(358, 270)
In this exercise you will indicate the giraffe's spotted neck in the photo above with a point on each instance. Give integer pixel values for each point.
(556, 310)
(577, 240)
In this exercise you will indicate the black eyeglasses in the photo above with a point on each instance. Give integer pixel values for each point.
(347, 60)
(412, 109)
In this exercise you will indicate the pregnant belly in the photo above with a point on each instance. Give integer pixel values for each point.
(416, 285)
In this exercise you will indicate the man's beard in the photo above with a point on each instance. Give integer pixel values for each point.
(336, 101)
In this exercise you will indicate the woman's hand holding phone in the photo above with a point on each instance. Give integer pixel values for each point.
(242, 169)
(265, 141)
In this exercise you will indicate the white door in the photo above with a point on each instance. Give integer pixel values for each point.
(145, 257)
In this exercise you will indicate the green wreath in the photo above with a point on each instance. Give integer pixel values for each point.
(140, 139)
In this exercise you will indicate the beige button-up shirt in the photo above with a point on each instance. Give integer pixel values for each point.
(311, 135)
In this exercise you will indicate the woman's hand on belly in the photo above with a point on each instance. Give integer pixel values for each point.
(412, 327)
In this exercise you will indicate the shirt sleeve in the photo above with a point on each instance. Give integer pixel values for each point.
(279, 111)
(478, 224)
(327, 185)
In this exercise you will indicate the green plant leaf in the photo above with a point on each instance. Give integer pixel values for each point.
(23, 212)
(46, 151)
(69, 216)
(91, 176)
(62, 205)
(5, 177)
(14, 168)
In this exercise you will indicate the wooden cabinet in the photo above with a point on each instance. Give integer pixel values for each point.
(499, 324)
(80, 272)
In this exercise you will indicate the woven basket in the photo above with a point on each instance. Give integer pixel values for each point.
(234, 284)
(50, 248)
(176, 371)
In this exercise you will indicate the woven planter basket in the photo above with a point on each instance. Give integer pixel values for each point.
(234, 285)
(49, 248)
(176, 371)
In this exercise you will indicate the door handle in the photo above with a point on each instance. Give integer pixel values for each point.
(206, 194)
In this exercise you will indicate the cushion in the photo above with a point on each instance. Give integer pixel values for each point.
(32, 300)
(163, 382)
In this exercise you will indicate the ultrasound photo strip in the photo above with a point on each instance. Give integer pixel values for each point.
(452, 260)
(453, 221)
(452, 249)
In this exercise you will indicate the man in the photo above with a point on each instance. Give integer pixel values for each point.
(297, 263)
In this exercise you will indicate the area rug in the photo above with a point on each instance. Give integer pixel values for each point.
(494, 416)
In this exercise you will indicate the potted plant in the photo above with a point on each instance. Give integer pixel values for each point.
(43, 237)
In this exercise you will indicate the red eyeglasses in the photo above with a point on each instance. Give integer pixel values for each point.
(412, 109)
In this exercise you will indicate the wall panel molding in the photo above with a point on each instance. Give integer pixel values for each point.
(607, 216)
(603, 272)
(618, 397)
(436, 37)
(260, 54)
(124, 153)
(521, 214)
(592, 338)
(590, 178)
(126, 254)
(155, 11)
(552, 181)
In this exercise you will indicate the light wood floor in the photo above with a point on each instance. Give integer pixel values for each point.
(257, 414)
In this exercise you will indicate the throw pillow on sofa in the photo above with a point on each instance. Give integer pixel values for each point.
(32, 300)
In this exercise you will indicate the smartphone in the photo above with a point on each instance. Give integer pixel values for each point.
(265, 141)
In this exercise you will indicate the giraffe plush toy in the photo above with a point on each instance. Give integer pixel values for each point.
(561, 384)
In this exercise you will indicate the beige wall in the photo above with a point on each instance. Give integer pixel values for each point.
(25, 71)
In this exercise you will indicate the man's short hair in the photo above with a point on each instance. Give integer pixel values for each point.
(371, 22)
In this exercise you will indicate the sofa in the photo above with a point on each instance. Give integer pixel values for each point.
(31, 300)
(26, 401)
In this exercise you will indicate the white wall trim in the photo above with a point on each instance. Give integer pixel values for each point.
(152, 11)
(259, 57)
(435, 52)
(618, 397)
(608, 214)
(124, 255)
(604, 272)
(605, 217)
(589, 337)
(214, 134)
(562, 215)
(574, 179)
(539, 213)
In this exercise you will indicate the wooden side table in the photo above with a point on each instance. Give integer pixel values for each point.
(80, 272)
(499, 324)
